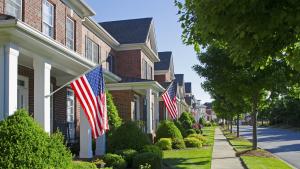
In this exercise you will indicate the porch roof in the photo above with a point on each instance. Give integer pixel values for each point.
(143, 85)
(38, 45)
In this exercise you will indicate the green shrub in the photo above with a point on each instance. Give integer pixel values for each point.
(192, 142)
(186, 120)
(128, 155)
(128, 136)
(190, 131)
(180, 127)
(202, 121)
(153, 149)
(199, 137)
(115, 161)
(83, 165)
(198, 131)
(178, 143)
(167, 129)
(147, 158)
(114, 119)
(24, 144)
(164, 144)
(99, 163)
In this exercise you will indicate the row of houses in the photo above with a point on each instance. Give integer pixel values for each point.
(46, 43)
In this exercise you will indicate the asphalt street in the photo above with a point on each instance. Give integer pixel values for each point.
(281, 142)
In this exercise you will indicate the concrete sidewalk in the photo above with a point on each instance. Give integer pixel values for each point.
(223, 154)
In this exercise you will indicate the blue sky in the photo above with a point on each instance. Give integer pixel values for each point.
(168, 32)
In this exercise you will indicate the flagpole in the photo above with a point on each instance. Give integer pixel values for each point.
(61, 87)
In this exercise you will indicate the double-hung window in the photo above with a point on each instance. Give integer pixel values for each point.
(70, 33)
(71, 114)
(48, 19)
(91, 51)
(14, 8)
(145, 69)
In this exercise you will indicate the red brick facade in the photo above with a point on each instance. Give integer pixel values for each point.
(128, 63)
(160, 78)
(123, 105)
(32, 15)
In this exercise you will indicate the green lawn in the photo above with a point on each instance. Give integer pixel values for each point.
(254, 162)
(191, 158)
(264, 163)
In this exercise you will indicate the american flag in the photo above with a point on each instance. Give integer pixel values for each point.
(90, 91)
(169, 97)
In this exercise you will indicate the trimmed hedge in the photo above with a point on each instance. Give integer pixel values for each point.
(24, 144)
(128, 155)
(115, 161)
(186, 120)
(153, 149)
(167, 129)
(178, 143)
(164, 144)
(128, 136)
(147, 158)
(192, 142)
(190, 131)
(199, 137)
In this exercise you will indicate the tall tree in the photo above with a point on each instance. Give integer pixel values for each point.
(241, 84)
(253, 30)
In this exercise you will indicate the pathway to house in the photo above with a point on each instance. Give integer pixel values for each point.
(223, 154)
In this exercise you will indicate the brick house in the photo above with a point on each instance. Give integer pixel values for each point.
(181, 104)
(43, 45)
(134, 63)
(164, 74)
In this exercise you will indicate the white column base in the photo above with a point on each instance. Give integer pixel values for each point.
(85, 137)
(100, 145)
(42, 83)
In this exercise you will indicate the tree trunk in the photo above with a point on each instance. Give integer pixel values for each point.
(238, 125)
(231, 121)
(254, 122)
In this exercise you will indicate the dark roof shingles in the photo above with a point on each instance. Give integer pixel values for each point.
(188, 87)
(179, 79)
(165, 61)
(128, 31)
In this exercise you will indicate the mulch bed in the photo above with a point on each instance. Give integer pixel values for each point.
(257, 153)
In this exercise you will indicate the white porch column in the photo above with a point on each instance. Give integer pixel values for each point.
(156, 109)
(149, 110)
(42, 83)
(9, 54)
(85, 137)
(100, 145)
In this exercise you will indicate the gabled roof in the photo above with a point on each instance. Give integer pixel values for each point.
(132, 79)
(165, 61)
(129, 31)
(188, 87)
(179, 79)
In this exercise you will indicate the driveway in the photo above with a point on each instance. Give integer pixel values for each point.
(281, 142)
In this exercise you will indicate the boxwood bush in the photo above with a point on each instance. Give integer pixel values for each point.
(192, 142)
(24, 144)
(147, 158)
(153, 149)
(115, 161)
(199, 137)
(128, 155)
(190, 131)
(164, 144)
(187, 120)
(128, 136)
(167, 129)
(178, 143)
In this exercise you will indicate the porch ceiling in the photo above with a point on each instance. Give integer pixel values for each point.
(139, 87)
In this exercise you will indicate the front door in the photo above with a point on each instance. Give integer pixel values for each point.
(23, 91)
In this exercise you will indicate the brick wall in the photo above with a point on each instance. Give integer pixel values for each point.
(122, 100)
(160, 78)
(128, 63)
(1, 6)
(32, 15)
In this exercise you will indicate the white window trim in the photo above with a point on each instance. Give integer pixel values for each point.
(73, 31)
(45, 22)
(87, 40)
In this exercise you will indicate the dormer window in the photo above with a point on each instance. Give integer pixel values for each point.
(14, 8)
